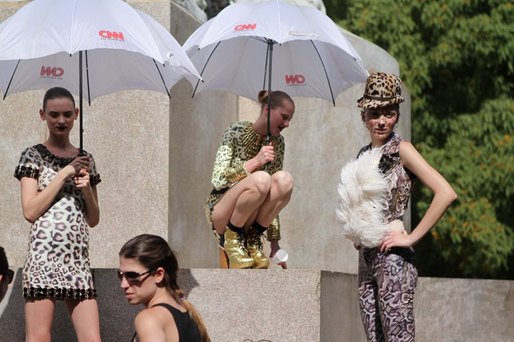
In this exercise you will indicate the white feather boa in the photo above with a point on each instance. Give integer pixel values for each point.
(362, 192)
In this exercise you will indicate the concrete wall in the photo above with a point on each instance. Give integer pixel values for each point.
(297, 305)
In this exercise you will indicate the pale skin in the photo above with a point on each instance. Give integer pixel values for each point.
(259, 196)
(60, 114)
(380, 123)
(152, 323)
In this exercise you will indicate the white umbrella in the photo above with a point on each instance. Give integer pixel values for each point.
(273, 45)
(91, 47)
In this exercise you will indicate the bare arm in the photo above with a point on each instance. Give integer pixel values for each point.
(444, 195)
(150, 325)
(35, 204)
(90, 198)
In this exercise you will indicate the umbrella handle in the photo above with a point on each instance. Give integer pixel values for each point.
(270, 48)
(81, 143)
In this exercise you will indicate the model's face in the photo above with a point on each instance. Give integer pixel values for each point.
(59, 114)
(137, 282)
(280, 117)
(380, 122)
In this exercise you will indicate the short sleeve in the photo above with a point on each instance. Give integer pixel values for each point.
(94, 176)
(28, 166)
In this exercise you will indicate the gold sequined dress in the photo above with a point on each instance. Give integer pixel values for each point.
(241, 143)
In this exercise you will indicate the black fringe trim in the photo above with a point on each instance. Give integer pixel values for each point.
(61, 294)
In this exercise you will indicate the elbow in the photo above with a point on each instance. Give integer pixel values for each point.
(93, 222)
(451, 196)
(30, 217)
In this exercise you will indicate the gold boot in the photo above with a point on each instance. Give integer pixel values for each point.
(254, 246)
(236, 250)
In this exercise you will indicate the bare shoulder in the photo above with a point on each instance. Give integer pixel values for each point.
(409, 154)
(147, 317)
(149, 326)
(156, 324)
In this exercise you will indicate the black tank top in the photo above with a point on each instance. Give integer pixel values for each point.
(187, 329)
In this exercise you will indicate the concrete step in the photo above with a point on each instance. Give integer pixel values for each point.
(291, 305)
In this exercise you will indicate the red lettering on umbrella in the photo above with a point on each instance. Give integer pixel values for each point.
(48, 71)
(294, 79)
(245, 27)
(105, 34)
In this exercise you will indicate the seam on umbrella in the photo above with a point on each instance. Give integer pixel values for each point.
(325, 71)
(162, 78)
(205, 66)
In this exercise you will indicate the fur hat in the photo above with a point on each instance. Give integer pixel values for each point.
(381, 90)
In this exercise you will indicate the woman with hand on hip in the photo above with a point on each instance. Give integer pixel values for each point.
(59, 199)
(373, 195)
(249, 186)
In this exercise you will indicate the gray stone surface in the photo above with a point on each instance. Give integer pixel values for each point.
(293, 305)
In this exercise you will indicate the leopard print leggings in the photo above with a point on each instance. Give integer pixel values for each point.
(387, 282)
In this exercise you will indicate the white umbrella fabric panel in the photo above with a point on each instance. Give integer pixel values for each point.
(125, 48)
(310, 57)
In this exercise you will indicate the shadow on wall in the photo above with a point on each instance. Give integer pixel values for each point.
(116, 315)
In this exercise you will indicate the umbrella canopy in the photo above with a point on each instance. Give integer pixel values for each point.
(91, 47)
(273, 45)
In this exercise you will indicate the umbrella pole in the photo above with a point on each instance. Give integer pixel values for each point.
(270, 47)
(81, 144)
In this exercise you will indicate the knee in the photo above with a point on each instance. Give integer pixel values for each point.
(283, 182)
(261, 182)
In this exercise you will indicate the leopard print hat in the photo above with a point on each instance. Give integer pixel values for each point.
(381, 90)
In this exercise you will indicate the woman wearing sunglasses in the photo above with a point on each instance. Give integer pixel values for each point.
(148, 275)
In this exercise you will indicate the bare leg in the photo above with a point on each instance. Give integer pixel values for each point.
(39, 315)
(240, 204)
(85, 318)
(280, 194)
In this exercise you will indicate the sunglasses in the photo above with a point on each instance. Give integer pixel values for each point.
(9, 274)
(133, 277)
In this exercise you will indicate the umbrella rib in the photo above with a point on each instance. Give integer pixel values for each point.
(204, 66)
(326, 74)
(10, 80)
(87, 81)
(162, 78)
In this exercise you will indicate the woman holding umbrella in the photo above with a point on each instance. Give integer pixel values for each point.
(249, 186)
(59, 199)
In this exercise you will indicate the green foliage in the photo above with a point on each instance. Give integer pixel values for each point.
(476, 236)
(457, 59)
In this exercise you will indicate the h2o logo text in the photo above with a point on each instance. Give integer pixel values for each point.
(297, 79)
(51, 72)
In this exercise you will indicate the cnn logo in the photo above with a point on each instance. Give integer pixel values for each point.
(104, 34)
(245, 27)
(48, 71)
(295, 79)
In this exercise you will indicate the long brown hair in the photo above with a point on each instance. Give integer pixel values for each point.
(153, 251)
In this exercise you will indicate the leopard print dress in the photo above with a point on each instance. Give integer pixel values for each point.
(57, 264)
